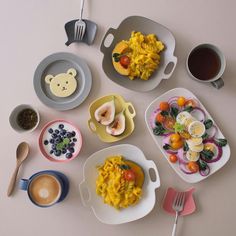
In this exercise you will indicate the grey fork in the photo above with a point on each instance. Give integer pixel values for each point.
(80, 25)
(178, 206)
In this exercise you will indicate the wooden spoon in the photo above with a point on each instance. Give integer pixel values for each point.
(21, 154)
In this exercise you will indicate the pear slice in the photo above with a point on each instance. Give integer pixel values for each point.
(105, 113)
(118, 125)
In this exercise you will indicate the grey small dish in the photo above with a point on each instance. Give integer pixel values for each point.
(123, 32)
(89, 36)
(13, 118)
(58, 63)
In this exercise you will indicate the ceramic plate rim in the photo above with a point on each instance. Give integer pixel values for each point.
(62, 106)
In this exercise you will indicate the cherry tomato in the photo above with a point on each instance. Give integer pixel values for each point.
(124, 61)
(160, 118)
(191, 103)
(129, 175)
(175, 137)
(177, 145)
(173, 158)
(164, 106)
(193, 166)
(181, 101)
(169, 122)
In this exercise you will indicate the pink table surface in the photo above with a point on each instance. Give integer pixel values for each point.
(31, 30)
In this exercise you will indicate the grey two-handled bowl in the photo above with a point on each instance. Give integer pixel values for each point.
(123, 32)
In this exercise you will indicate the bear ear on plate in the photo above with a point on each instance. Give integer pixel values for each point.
(72, 72)
(49, 78)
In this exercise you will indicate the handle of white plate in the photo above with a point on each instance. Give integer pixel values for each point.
(156, 183)
(174, 61)
(82, 188)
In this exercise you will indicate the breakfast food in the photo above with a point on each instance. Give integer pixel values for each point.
(119, 182)
(137, 57)
(44, 190)
(60, 141)
(118, 125)
(105, 115)
(189, 137)
(63, 84)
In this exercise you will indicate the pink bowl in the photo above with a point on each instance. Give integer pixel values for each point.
(189, 206)
(77, 146)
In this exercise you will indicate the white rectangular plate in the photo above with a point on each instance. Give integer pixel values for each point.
(192, 178)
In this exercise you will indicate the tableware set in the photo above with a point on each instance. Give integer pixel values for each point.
(83, 30)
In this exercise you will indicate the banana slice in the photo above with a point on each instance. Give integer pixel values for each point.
(192, 156)
(182, 116)
(196, 148)
(194, 141)
(196, 129)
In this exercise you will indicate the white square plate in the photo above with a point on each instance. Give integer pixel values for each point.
(193, 178)
(104, 212)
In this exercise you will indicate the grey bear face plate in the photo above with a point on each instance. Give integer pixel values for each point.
(62, 81)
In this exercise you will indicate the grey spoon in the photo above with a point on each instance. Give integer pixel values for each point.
(21, 154)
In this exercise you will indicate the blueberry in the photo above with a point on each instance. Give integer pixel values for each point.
(57, 153)
(56, 131)
(54, 135)
(51, 151)
(58, 140)
(51, 140)
(65, 145)
(54, 147)
(62, 132)
(63, 151)
(73, 133)
(68, 155)
(45, 142)
(60, 126)
(72, 144)
(50, 130)
(71, 150)
(74, 139)
(68, 135)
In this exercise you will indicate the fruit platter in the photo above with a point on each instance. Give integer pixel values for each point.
(111, 118)
(139, 165)
(187, 135)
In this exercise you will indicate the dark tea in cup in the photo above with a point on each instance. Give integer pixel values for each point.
(206, 63)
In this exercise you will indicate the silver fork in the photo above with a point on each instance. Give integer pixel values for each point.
(178, 206)
(80, 25)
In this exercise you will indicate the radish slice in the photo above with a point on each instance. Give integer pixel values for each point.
(212, 132)
(153, 118)
(182, 157)
(205, 172)
(217, 155)
(198, 113)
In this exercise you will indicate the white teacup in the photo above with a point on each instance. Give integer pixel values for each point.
(206, 63)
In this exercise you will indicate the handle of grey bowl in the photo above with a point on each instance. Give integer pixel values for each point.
(174, 61)
(103, 48)
(82, 188)
(218, 83)
(156, 183)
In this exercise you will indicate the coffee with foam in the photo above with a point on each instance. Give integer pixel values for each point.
(45, 190)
